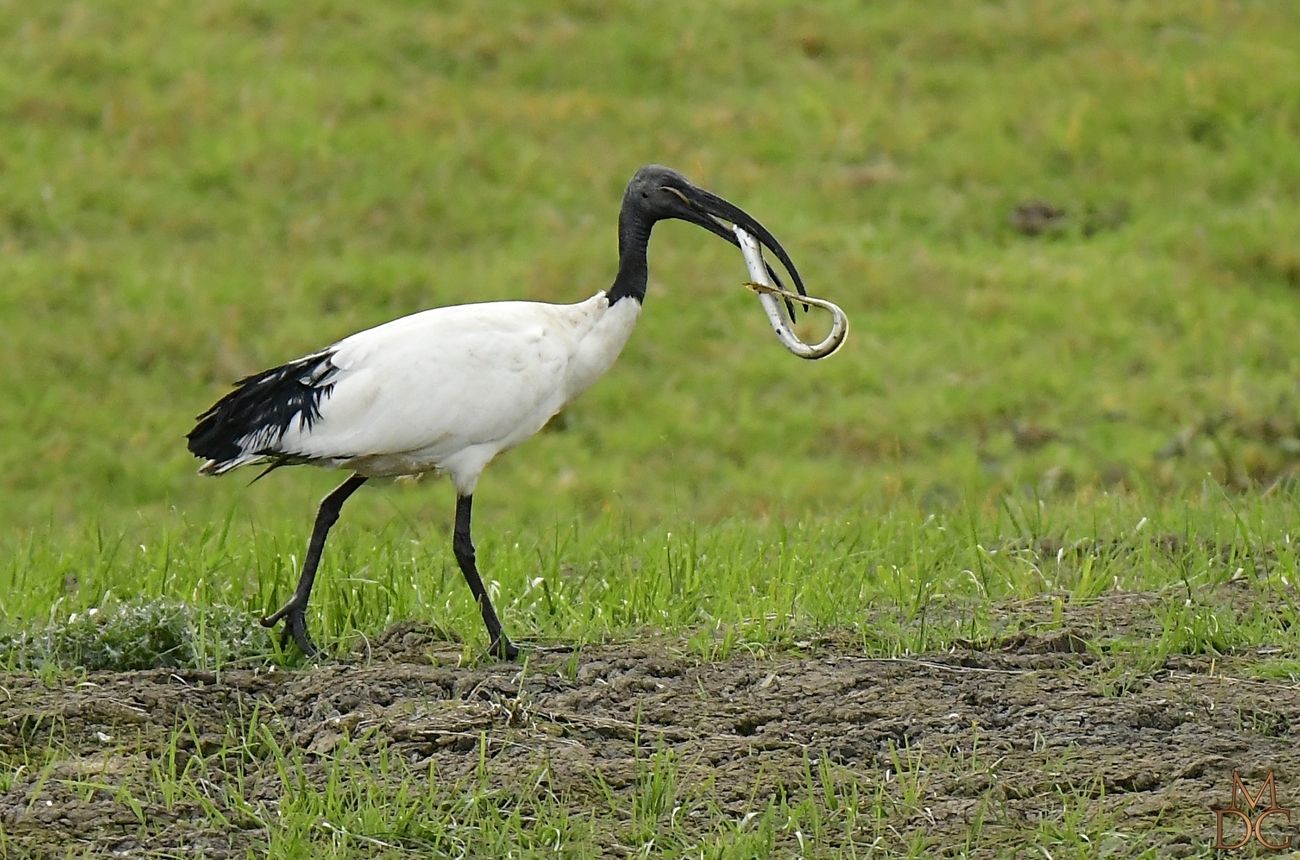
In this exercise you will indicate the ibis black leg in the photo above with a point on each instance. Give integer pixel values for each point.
(294, 613)
(463, 546)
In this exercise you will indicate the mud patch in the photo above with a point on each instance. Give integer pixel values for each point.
(971, 752)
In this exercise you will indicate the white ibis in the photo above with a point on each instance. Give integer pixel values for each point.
(448, 389)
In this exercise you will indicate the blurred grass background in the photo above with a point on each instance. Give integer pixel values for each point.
(194, 191)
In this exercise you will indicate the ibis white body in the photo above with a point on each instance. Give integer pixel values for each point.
(448, 389)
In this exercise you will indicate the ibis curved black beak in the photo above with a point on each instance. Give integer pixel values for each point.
(704, 208)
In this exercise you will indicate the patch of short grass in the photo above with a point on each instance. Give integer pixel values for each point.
(1209, 578)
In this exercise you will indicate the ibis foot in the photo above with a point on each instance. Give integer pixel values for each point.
(503, 649)
(294, 615)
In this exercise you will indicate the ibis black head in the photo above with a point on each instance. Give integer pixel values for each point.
(657, 193)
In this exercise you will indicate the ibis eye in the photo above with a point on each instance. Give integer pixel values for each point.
(645, 195)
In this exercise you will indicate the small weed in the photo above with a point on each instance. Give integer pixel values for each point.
(121, 636)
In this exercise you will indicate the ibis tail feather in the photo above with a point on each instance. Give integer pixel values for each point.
(247, 424)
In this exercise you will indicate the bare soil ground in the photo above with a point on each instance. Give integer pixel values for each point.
(998, 741)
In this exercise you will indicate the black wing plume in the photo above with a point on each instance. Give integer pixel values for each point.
(262, 408)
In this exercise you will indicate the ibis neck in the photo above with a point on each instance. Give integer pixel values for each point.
(633, 269)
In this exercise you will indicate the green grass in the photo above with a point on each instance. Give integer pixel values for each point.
(896, 583)
(1018, 425)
